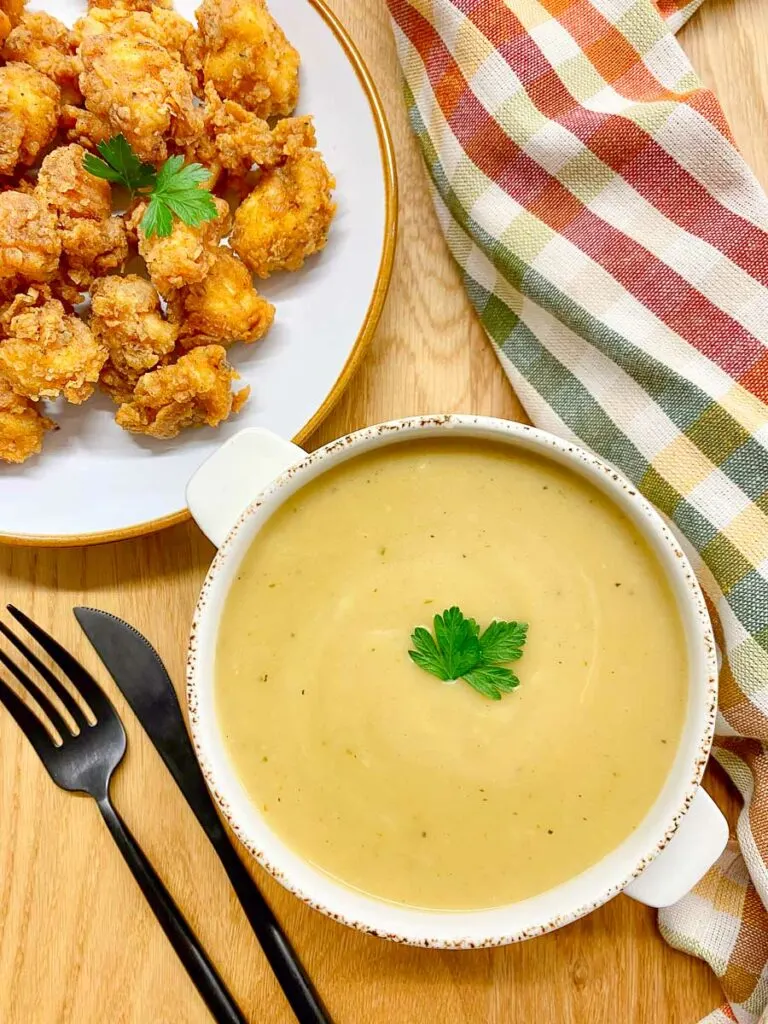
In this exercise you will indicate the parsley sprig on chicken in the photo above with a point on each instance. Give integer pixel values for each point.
(173, 191)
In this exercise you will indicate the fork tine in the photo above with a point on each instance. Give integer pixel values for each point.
(55, 716)
(28, 722)
(55, 684)
(82, 680)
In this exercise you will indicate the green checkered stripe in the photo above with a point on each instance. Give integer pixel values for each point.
(544, 382)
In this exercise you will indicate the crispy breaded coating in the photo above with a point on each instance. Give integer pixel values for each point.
(29, 114)
(14, 300)
(13, 10)
(68, 190)
(290, 136)
(46, 44)
(141, 90)
(223, 308)
(49, 352)
(30, 246)
(236, 139)
(196, 391)
(155, 19)
(126, 318)
(94, 248)
(57, 287)
(84, 127)
(130, 5)
(192, 59)
(164, 26)
(9, 287)
(203, 151)
(22, 426)
(10, 13)
(247, 57)
(186, 255)
(287, 215)
(62, 287)
(20, 301)
(93, 241)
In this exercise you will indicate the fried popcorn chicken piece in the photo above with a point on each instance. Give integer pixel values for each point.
(84, 127)
(69, 191)
(29, 115)
(155, 19)
(223, 308)
(162, 25)
(287, 215)
(192, 59)
(47, 45)
(94, 248)
(16, 301)
(9, 286)
(93, 241)
(62, 287)
(141, 90)
(30, 246)
(196, 391)
(236, 139)
(49, 352)
(10, 15)
(126, 318)
(186, 255)
(13, 10)
(22, 426)
(290, 136)
(247, 57)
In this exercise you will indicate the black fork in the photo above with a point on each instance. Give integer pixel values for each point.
(84, 762)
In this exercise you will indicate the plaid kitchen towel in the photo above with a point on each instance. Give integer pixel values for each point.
(614, 244)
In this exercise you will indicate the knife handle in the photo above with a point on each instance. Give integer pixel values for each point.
(295, 983)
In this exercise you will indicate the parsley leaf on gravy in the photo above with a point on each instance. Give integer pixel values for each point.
(459, 651)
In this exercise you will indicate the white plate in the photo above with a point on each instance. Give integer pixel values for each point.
(95, 482)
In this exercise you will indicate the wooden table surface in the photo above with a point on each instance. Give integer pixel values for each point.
(78, 945)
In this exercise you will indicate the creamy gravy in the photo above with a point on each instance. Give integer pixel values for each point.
(422, 792)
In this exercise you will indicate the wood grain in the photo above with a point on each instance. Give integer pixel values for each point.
(77, 942)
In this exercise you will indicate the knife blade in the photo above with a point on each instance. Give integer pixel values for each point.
(143, 680)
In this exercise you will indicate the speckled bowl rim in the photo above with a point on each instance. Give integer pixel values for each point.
(656, 531)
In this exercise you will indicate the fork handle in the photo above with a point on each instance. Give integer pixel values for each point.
(200, 969)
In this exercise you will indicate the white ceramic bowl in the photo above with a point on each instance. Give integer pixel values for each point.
(674, 845)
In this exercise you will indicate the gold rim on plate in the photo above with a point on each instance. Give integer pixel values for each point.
(363, 340)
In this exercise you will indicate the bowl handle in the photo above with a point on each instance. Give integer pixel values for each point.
(230, 479)
(694, 848)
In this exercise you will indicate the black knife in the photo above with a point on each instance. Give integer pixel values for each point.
(142, 679)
